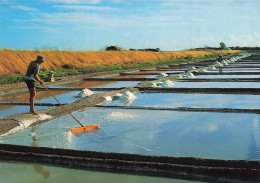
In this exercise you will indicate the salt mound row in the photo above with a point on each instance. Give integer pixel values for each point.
(156, 84)
(202, 70)
(218, 64)
(190, 76)
(85, 93)
(231, 61)
(162, 75)
(168, 83)
(127, 98)
(224, 63)
(108, 98)
(226, 60)
(212, 68)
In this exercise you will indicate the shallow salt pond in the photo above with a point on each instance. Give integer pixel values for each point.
(216, 84)
(235, 70)
(194, 100)
(42, 97)
(102, 84)
(161, 133)
(13, 172)
(63, 96)
(225, 76)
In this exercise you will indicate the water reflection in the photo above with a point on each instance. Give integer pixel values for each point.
(254, 147)
(161, 133)
(42, 97)
(195, 100)
(225, 76)
(38, 168)
(102, 84)
(13, 172)
(216, 84)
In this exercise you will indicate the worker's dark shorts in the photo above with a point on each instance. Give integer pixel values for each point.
(30, 83)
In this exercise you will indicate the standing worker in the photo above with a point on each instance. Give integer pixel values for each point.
(221, 56)
(33, 70)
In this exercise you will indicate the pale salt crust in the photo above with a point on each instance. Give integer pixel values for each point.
(26, 123)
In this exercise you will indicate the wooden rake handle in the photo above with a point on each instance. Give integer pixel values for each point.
(62, 105)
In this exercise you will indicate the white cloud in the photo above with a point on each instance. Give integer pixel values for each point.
(35, 27)
(77, 7)
(104, 20)
(121, 1)
(172, 1)
(244, 40)
(74, 1)
(230, 40)
(4, 2)
(25, 8)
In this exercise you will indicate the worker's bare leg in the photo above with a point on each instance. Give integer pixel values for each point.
(32, 98)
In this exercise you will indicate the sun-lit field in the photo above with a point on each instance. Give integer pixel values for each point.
(16, 61)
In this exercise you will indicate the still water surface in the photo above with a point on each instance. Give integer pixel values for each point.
(14, 172)
(194, 100)
(161, 133)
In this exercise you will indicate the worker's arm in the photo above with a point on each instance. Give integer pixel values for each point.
(38, 79)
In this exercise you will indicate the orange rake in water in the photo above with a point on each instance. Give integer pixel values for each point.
(81, 129)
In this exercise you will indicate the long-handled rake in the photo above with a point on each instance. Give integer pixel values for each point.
(74, 130)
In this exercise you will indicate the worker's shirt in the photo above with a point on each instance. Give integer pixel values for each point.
(33, 69)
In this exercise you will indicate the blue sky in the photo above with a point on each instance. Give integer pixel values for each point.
(94, 24)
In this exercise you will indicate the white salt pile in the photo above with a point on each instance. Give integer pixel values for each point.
(190, 76)
(226, 60)
(108, 98)
(156, 84)
(168, 83)
(212, 68)
(202, 70)
(231, 60)
(84, 93)
(224, 63)
(219, 65)
(127, 98)
(162, 75)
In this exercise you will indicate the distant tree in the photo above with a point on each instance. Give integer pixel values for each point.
(113, 48)
(222, 45)
(205, 47)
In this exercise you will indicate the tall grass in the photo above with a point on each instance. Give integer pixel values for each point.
(14, 61)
